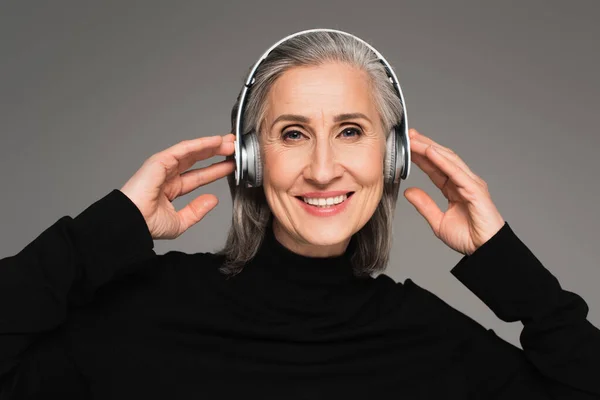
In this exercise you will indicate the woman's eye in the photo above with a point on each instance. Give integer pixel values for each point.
(351, 132)
(292, 135)
(297, 135)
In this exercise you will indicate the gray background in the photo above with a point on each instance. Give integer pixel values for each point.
(89, 90)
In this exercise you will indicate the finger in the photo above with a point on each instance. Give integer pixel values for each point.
(225, 149)
(470, 187)
(436, 175)
(186, 147)
(176, 158)
(230, 137)
(441, 180)
(420, 146)
(416, 135)
(195, 178)
(189, 152)
(195, 210)
(425, 206)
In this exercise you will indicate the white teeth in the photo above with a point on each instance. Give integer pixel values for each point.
(325, 202)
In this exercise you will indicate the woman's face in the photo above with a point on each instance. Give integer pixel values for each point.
(322, 141)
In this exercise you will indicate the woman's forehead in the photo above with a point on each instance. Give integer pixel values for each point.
(332, 88)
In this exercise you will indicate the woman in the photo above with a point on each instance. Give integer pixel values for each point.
(289, 308)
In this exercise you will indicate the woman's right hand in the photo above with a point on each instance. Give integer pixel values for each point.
(163, 177)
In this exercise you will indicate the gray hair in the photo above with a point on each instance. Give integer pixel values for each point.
(251, 214)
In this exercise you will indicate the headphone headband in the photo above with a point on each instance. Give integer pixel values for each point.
(405, 156)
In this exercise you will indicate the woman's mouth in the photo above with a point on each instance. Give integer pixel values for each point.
(326, 201)
(325, 206)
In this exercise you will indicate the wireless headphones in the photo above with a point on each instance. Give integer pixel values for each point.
(248, 164)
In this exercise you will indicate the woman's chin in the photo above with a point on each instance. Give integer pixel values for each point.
(336, 239)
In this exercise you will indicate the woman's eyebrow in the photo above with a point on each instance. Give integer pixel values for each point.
(343, 117)
(301, 118)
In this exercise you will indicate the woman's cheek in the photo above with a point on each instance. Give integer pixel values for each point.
(281, 168)
(367, 166)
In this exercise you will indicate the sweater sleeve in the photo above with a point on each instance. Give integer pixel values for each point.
(557, 338)
(62, 268)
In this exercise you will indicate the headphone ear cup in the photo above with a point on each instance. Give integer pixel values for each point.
(389, 164)
(254, 160)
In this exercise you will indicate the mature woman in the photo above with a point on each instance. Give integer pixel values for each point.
(295, 306)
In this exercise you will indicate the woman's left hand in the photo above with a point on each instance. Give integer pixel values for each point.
(472, 218)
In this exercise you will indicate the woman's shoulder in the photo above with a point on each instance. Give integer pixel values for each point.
(181, 262)
(175, 271)
(179, 256)
(423, 306)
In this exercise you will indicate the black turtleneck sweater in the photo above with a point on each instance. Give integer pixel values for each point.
(89, 310)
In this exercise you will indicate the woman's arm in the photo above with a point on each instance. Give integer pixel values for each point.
(557, 338)
(60, 269)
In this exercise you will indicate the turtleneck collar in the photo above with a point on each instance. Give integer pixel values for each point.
(283, 264)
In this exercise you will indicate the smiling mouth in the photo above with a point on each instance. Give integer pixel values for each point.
(322, 202)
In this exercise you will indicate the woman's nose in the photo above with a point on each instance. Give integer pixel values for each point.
(323, 166)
